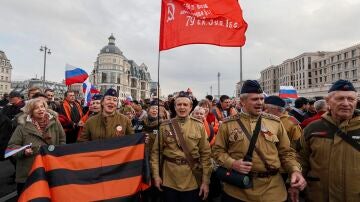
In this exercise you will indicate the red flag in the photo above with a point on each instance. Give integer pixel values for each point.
(217, 22)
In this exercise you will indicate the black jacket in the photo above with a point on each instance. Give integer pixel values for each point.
(5, 133)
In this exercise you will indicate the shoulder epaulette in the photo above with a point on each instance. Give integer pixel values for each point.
(166, 122)
(270, 116)
(195, 119)
(231, 118)
(294, 120)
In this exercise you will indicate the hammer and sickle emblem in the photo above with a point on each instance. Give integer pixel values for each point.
(171, 12)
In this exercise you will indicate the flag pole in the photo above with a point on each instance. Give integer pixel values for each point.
(241, 73)
(158, 95)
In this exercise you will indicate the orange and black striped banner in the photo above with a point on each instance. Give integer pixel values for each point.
(113, 169)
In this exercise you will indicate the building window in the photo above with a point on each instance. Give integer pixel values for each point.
(6, 87)
(118, 78)
(346, 74)
(339, 67)
(345, 55)
(346, 64)
(353, 63)
(339, 75)
(338, 57)
(332, 59)
(2, 77)
(7, 71)
(354, 73)
(320, 79)
(113, 77)
(353, 53)
(103, 77)
(333, 68)
(316, 80)
(320, 71)
(309, 74)
(333, 77)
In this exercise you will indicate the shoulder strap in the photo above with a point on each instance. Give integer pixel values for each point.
(349, 139)
(346, 137)
(179, 134)
(253, 140)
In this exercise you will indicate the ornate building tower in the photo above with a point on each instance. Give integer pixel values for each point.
(113, 70)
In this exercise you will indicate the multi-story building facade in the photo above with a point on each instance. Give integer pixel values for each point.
(267, 81)
(113, 70)
(23, 86)
(5, 74)
(312, 73)
(292, 72)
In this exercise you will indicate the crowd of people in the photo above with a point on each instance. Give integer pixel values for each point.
(279, 151)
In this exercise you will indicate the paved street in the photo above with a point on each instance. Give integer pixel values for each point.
(7, 185)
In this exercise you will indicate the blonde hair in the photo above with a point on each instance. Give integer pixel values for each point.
(31, 104)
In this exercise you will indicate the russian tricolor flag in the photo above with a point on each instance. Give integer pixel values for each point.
(287, 92)
(74, 75)
(88, 89)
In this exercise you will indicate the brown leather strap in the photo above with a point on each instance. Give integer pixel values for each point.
(247, 134)
(179, 134)
(179, 161)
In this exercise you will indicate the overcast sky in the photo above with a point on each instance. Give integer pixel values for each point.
(76, 30)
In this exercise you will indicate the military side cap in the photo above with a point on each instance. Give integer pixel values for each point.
(97, 97)
(154, 103)
(251, 86)
(275, 100)
(342, 85)
(14, 94)
(111, 92)
(183, 94)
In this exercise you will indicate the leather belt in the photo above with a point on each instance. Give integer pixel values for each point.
(264, 174)
(179, 161)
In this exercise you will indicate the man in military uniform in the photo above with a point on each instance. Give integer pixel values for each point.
(174, 174)
(276, 106)
(273, 143)
(330, 148)
(109, 123)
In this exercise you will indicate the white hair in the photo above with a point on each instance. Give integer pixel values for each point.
(278, 108)
(320, 105)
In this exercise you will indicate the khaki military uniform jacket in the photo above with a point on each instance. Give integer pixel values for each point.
(232, 144)
(176, 176)
(100, 127)
(331, 166)
(293, 129)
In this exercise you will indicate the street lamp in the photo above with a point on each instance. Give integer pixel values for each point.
(46, 51)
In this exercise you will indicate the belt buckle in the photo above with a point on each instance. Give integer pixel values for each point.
(178, 161)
